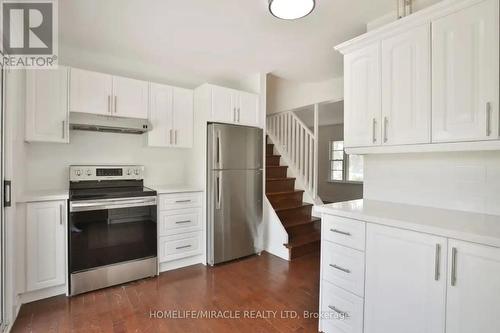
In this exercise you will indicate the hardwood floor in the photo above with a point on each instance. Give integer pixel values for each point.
(259, 283)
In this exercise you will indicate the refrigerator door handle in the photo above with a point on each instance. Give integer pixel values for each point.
(219, 150)
(218, 192)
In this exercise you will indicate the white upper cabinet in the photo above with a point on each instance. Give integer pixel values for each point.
(234, 106)
(248, 109)
(45, 244)
(405, 288)
(160, 116)
(130, 97)
(406, 87)
(90, 92)
(465, 74)
(362, 97)
(473, 288)
(171, 117)
(47, 105)
(183, 117)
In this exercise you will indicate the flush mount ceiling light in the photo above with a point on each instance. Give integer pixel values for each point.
(291, 9)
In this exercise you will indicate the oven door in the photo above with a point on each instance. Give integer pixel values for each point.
(110, 231)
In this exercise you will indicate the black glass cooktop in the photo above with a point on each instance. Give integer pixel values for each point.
(108, 190)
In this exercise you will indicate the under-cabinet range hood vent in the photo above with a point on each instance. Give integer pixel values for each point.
(97, 123)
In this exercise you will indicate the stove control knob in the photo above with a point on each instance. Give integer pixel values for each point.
(89, 172)
(136, 172)
(129, 172)
(78, 172)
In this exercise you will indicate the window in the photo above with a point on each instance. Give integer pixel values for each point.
(343, 167)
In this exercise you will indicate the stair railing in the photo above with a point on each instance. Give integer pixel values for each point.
(298, 145)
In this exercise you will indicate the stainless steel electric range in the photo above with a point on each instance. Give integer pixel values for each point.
(112, 227)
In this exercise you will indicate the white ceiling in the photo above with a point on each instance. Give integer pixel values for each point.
(195, 41)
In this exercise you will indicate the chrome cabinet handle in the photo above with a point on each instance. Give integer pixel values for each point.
(183, 201)
(239, 114)
(234, 114)
(437, 262)
(345, 270)
(488, 119)
(63, 129)
(61, 210)
(345, 233)
(182, 222)
(453, 267)
(109, 103)
(182, 247)
(374, 125)
(218, 194)
(340, 312)
(386, 121)
(170, 136)
(175, 136)
(116, 103)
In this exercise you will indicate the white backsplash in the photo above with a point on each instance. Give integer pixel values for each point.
(463, 181)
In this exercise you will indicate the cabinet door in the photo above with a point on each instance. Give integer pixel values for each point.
(473, 288)
(183, 117)
(406, 87)
(47, 105)
(45, 252)
(160, 116)
(362, 124)
(465, 74)
(90, 92)
(405, 287)
(130, 98)
(248, 109)
(223, 106)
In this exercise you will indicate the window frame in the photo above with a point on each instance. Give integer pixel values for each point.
(345, 165)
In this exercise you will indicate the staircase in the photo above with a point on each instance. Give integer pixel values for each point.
(303, 229)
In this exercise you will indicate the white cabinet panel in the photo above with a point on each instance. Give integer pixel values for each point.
(46, 244)
(223, 104)
(341, 310)
(465, 74)
(179, 221)
(160, 116)
(90, 92)
(362, 97)
(130, 97)
(347, 232)
(248, 109)
(472, 298)
(405, 281)
(183, 117)
(406, 87)
(180, 200)
(179, 246)
(47, 105)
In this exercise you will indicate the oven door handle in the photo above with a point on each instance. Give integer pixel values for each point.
(89, 205)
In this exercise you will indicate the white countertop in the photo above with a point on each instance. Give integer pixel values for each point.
(165, 189)
(471, 227)
(44, 195)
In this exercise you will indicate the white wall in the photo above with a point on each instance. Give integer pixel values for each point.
(464, 181)
(284, 95)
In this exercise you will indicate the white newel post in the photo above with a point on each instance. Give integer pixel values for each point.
(316, 139)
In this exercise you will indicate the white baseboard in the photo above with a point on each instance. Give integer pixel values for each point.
(175, 264)
(36, 295)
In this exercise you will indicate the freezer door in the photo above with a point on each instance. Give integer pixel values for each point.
(235, 213)
(232, 147)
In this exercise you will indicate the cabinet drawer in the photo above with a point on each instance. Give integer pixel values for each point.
(347, 232)
(179, 246)
(180, 221)
(344, 267)
(180, 200)
(341, 311)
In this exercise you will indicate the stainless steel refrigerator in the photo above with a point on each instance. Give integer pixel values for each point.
(235, 190)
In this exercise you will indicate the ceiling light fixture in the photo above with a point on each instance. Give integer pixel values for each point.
(291, 9)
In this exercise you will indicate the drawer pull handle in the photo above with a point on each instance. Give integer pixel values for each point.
(437, 262)
(182, 247)
(341, 232)
(453, 267)
(181, 222)
(182, 201)
(345, 270)
(342, 313)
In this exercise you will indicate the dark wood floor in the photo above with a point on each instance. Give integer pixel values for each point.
(264, 283)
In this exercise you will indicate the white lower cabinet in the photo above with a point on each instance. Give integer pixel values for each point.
(473, 293)
(180, 226)
(405, 281)
(413, 282)
(45, 244)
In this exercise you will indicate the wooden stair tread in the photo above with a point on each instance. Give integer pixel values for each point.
(284, 193)
(272, 155)
(279, 179)
(298, 222)
(276, 166)
(293, 207)
(304, 239)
